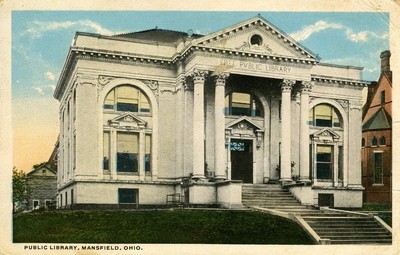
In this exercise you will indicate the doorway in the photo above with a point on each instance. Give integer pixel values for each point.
(242, 160)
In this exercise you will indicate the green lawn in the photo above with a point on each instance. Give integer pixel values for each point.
(157, 226)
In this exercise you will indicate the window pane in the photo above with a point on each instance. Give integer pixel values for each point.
(336, 122)
(106, 150)
(127, 152)
(324, 162)
(257, 108)
(240, 104)
(127, 196)
(382, 141)
(227, 105)
(144, 104)
(109, 101)
(378, 168)
(340, 175)
(323, 116)
(147, 157)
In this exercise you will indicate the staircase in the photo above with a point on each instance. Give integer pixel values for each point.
(325, 226)
(350, 230)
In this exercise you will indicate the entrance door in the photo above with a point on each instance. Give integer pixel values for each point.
(242, 160)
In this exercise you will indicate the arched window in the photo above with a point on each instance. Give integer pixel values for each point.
(127, 98)
(242, 104)
(363, 142)
(382, 141)
(130, 155)
(374, 141)
(324, 115)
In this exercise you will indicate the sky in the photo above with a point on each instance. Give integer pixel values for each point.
(41, 39)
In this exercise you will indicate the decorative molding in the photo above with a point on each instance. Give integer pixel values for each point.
(306, 86)
(84, 79)
(287, 85)
(344, 104)
(127, 121)
(221, 78)
(199, 75)
(326, 135)
(154, 86)
(104, 80)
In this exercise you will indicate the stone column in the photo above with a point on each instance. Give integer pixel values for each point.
(304, 132)
(199, 77)
(219, 118)
(286, 87)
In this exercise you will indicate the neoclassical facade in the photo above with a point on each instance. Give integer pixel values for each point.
(160, 114)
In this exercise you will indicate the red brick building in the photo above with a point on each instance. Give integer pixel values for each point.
(376, 152)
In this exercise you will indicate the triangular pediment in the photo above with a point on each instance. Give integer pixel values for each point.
(243, 123)
(256, 36)
(326, 135)
(128, 120)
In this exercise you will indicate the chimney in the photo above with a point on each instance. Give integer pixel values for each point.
(385, 64)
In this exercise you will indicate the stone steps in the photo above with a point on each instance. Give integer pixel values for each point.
(339, 228)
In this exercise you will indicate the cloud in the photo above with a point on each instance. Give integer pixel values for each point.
(321, 25)
(52, 86)
(308, 31)
(38, 28)
(50, 75)
(39, 90)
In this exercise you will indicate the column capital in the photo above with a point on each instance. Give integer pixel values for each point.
(199, 75)
(306, 86)
(220, 79)
(287, 85)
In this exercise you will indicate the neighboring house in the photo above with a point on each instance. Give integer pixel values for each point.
(377, 137)
(154, 113)
(42, 187)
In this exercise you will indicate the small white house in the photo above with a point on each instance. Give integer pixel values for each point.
(155, 113)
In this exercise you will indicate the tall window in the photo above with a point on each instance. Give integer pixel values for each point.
(374, 141)
(324, 115)
(106, 151)
(363, 142)
(242, 104)
(378, 168)
(126, 99)
(147, 156)
(383, 99)
(127, 152)
(324, 162)
(382, 141)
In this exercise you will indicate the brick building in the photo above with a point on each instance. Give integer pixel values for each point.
(377, 137)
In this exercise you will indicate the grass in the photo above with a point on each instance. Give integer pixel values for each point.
(383, 209)
(157, 226)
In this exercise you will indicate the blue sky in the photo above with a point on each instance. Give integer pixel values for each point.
(40, 42)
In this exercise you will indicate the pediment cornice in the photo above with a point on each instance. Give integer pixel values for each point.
(129, 121)
(326, 135)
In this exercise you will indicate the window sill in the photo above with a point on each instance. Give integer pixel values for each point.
(127, 173)
(378, 185)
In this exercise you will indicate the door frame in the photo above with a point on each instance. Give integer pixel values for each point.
(254, 163)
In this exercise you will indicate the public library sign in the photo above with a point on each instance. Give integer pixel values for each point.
(256, 67)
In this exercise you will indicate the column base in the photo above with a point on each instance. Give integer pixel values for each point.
(305, 180)
(198, 177)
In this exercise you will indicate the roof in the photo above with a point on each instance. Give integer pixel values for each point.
(159, 35)
(380, 120)
(44, 165)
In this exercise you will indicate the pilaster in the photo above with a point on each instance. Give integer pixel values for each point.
(306, 87)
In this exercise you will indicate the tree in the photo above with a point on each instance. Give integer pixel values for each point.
(37, 165)
(20, 190)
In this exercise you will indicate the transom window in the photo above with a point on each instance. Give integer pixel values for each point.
(242, 104)
(127, 98)
(324, 115)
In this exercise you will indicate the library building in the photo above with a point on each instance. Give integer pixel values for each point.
(159, 117)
